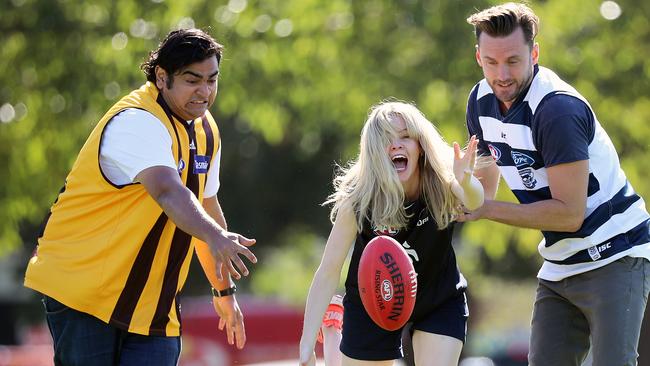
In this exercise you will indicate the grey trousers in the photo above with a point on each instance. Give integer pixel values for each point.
(602, 308)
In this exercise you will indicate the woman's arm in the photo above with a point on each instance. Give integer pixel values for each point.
(326, 280)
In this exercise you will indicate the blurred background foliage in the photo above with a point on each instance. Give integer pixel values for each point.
(297, 81)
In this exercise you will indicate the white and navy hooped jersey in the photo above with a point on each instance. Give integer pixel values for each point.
(550, 124)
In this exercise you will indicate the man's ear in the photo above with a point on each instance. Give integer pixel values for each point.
(161, 77)
(535, 53)
(478, 56)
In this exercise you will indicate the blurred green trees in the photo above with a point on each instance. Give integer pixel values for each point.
(297, 81)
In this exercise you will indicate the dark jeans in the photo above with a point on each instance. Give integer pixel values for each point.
(81, 339)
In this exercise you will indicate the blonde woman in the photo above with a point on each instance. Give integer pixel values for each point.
(407, 182)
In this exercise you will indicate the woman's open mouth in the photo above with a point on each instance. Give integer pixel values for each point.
(400, 162)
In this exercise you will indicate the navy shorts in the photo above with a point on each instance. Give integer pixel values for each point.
(365, 340)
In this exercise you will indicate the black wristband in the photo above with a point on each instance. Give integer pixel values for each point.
(225, 292)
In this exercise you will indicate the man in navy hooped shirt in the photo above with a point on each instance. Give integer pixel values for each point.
(560, 164)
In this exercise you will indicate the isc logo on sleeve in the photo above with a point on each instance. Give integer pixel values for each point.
(201, 163)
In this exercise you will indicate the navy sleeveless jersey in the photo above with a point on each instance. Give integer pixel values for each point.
(432, 255)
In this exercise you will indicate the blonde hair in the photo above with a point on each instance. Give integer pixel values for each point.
(369, 184)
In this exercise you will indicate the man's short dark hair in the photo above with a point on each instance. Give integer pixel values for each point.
(179, 49)
(502, 20)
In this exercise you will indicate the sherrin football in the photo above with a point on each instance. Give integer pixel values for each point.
(387, 283)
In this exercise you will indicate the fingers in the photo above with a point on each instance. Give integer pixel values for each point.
(472, 158)
(473, 144)
(231, 320)
(467, 217)
(248, 254)
(226, 253)
(246, 241)
(230, 331)
(239, 263)
(235, 265)
(220, 313)
(236, 260)
(456, 150)
(240, 333)
(219, 265)
(229, 267)
(233, 272)
(235, 330)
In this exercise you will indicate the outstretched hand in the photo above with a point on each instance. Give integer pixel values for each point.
(464, 161)
(230, 318)
(466, 186)
(226, 249)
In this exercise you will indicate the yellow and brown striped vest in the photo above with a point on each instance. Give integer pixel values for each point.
(110, 251)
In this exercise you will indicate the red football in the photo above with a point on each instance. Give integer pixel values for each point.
(387, 282)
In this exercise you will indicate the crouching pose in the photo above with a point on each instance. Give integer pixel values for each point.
(407, 182)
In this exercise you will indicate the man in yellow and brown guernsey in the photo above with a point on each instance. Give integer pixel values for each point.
(140, 198)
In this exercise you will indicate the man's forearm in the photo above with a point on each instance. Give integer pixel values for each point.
(182, 207)
(547, 215)
(213, 209)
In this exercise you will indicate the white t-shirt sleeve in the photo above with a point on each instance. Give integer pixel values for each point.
(133, 141)
(212, 184)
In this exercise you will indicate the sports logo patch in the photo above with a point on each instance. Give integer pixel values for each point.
(385, 230)
(528, 177)
(387, 290)
(496, 153)
(201, 163)
(593, 253)
(181, 166)
(411, 252)
(521, 160)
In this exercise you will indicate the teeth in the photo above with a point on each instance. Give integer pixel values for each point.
(400, 161)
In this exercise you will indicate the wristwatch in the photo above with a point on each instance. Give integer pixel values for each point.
(225, 292)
